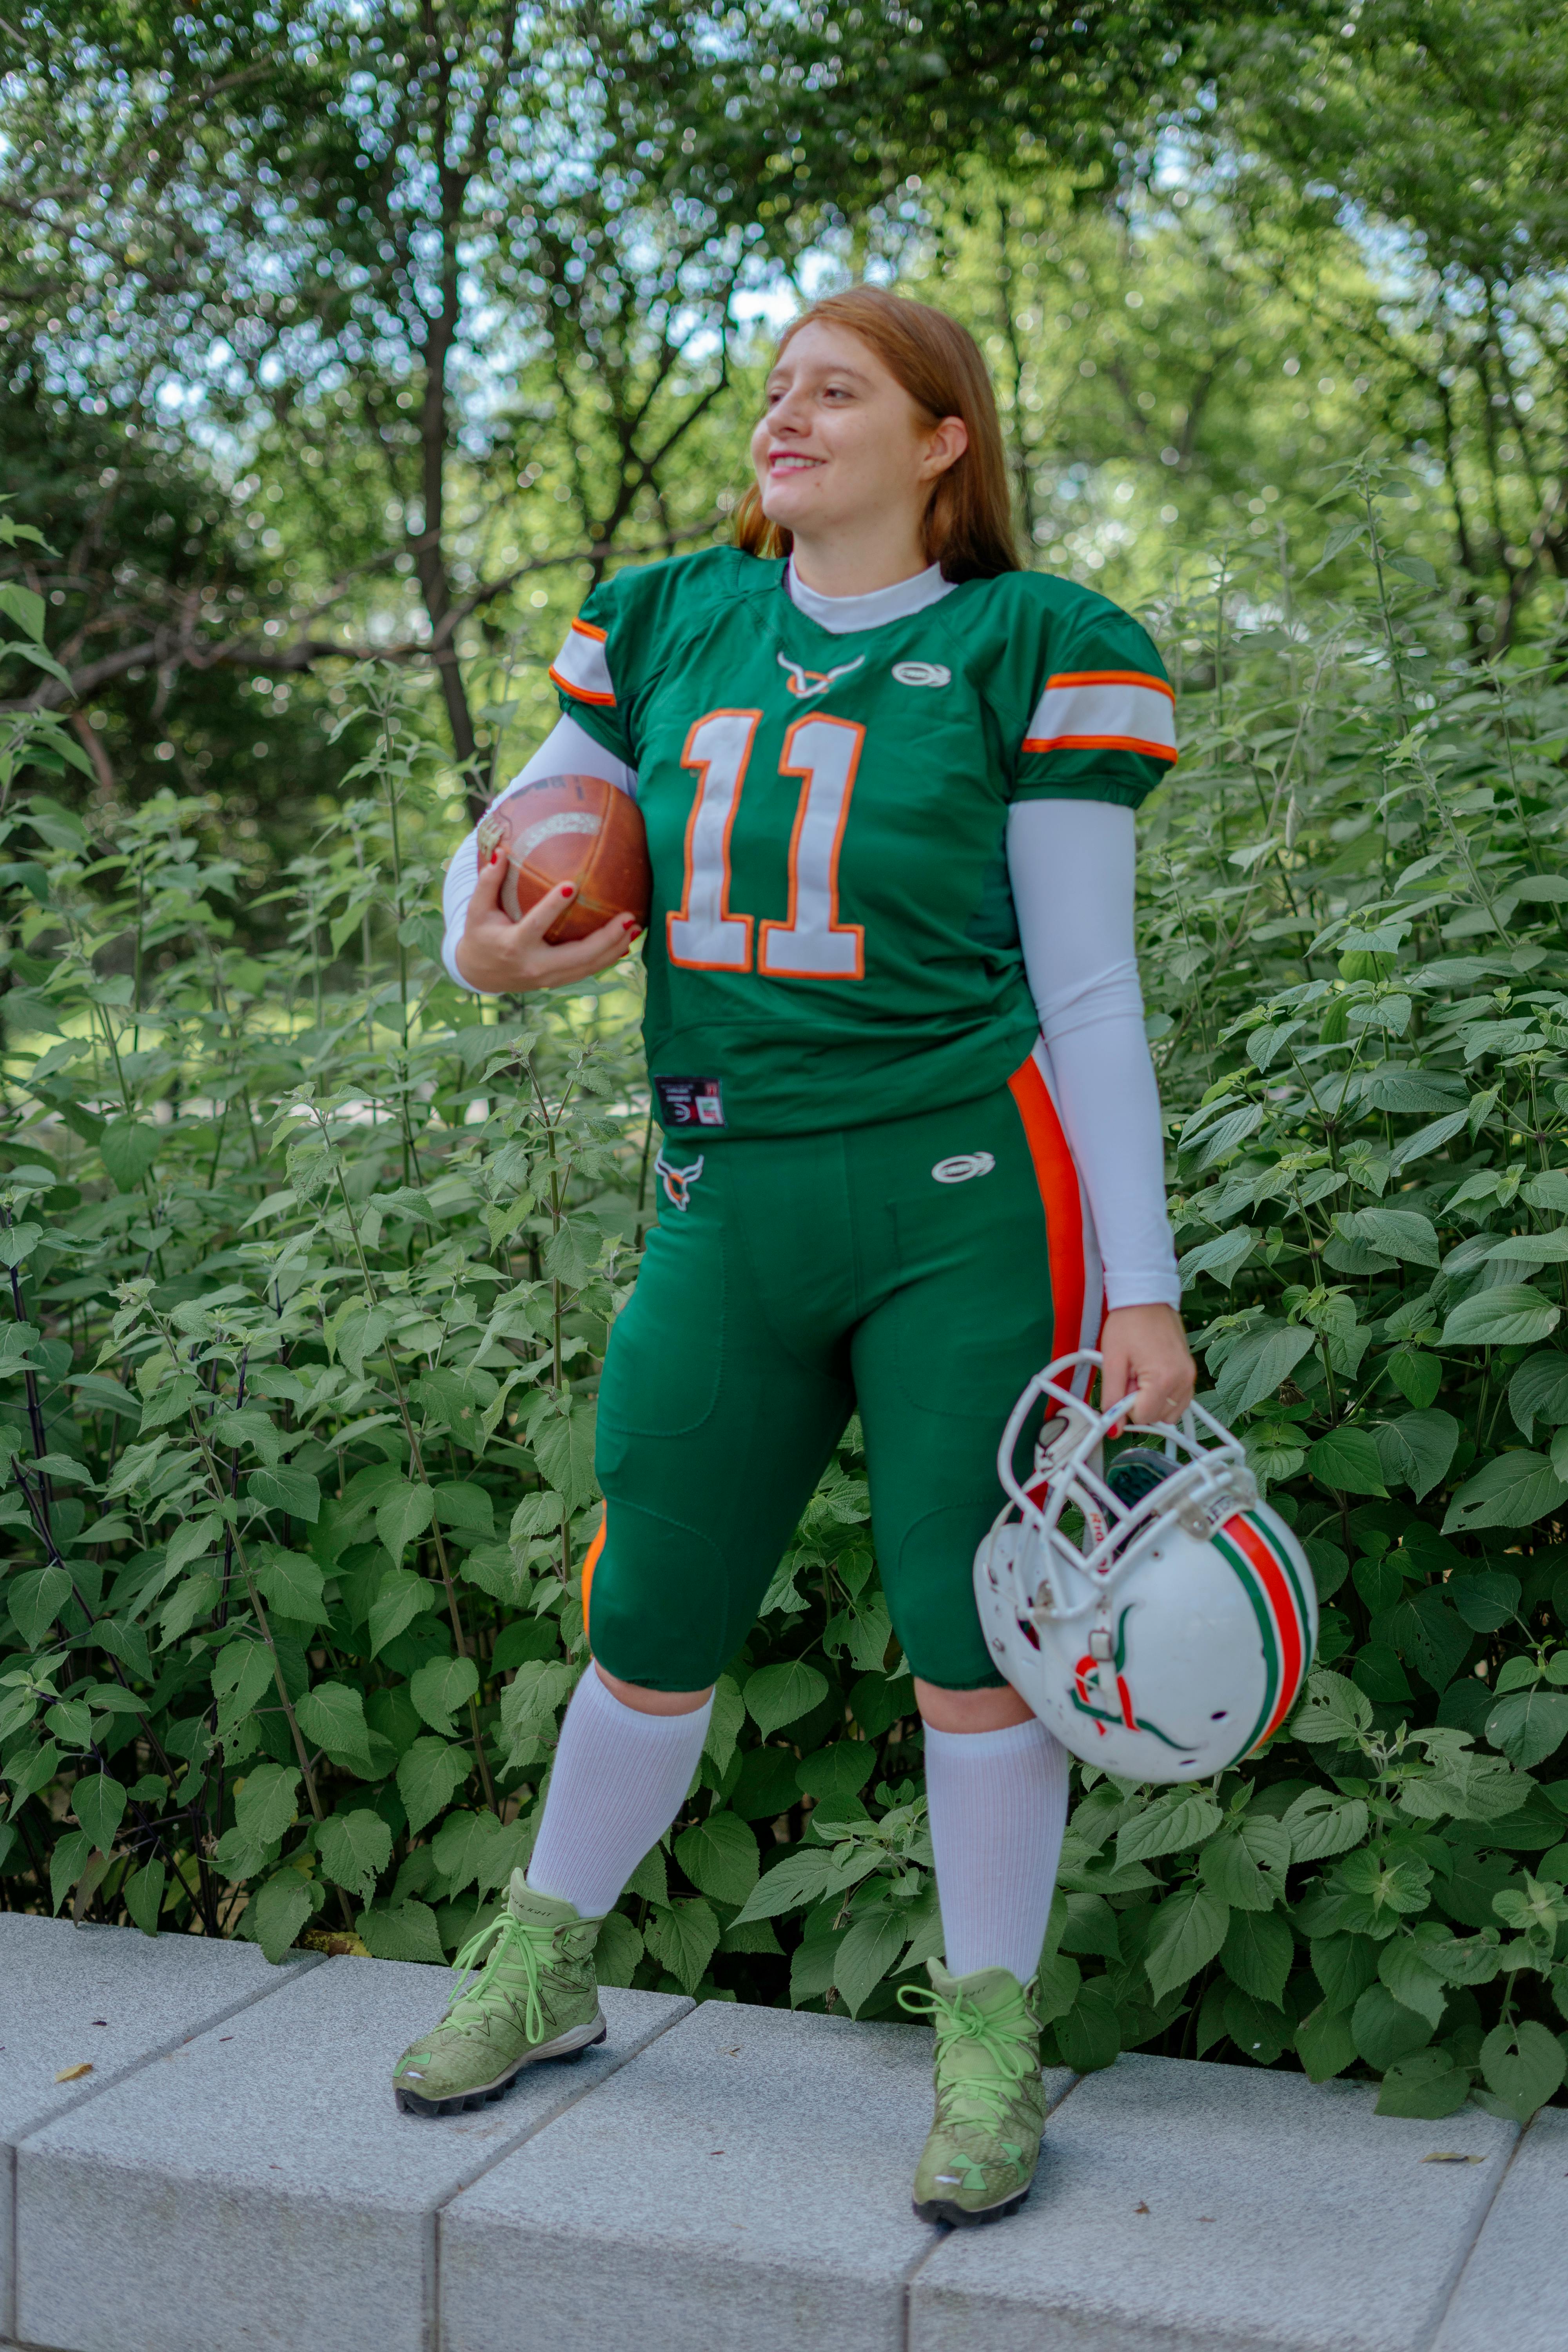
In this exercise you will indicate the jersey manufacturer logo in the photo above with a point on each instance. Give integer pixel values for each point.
(963, 1166)
(804, 683)
(921, 674)
(677, 1182)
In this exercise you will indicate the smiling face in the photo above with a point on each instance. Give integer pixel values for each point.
(845, 459)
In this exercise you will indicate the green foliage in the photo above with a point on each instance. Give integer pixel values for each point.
(1359, 995)
(310, 1266)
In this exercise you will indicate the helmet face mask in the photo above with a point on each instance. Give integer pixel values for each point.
(1160, 1622)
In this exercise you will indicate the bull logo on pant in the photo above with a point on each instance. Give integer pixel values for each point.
(677, 1182)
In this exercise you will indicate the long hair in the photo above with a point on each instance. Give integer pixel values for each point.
(968, 526)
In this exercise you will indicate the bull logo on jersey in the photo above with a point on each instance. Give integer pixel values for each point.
(1104, 1678)
(677, 1182)
(803, 683)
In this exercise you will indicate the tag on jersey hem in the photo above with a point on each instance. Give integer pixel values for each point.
(690, 1102)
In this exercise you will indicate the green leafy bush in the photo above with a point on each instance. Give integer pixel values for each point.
(311, 1263)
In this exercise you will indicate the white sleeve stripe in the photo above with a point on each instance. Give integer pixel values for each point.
(1110, 709)
(582, 667)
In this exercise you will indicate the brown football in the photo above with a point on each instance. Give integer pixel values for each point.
(571, 829)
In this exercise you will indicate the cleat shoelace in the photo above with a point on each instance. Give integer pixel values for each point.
(516, 1944)
(960, 2023)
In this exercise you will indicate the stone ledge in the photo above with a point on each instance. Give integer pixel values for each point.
(111, 2000)
(1186, 2208)
(257, 2186)
(1514, 2290)
(234, 2177)
(746, 2183)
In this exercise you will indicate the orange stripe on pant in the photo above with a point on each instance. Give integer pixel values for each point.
(1077, 1291)
(589, 1565)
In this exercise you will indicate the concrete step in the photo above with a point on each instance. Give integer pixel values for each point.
(1514, 2291)
(233, 2177)
(257, 2186)
(1184, 2208)
(83, 2008)
(745, 2184)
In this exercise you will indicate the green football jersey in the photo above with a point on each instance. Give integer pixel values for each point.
(832, 939)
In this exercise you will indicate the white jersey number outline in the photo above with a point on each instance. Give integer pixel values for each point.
(705, 936)
(811, 943)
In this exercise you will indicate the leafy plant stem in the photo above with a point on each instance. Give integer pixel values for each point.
(216, 1483)
(465, 1644)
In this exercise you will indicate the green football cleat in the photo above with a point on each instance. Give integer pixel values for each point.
(535, 1997)
(990, 2101)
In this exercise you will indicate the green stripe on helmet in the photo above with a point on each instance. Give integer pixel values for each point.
(1265, 1616)
(1289, 1565)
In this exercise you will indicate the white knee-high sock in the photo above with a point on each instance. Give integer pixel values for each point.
(998, 1803)
(618, 1783)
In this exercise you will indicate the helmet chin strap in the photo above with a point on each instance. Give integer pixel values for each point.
(1094, 1519)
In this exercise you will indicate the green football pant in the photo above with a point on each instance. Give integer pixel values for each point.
(921, 1272)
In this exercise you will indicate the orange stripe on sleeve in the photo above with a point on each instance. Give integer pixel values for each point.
(580, 693)
(582, 667)
(1105, 711)
(1098, 743)
(1111, 677)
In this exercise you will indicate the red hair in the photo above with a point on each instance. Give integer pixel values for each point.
(969, 519)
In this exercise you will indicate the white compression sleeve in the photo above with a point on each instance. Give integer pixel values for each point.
(567, 750)
(1071, 864)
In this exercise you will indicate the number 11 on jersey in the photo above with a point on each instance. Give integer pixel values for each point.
(811, 943)
(705, 936)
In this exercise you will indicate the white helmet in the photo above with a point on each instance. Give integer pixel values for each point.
(1175, 1638)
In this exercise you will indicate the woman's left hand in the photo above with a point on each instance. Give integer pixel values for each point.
(1145, 1348)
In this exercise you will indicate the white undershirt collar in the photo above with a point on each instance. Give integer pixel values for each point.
(842, 616)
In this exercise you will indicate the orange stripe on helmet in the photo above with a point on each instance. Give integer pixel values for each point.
(1281, 1601)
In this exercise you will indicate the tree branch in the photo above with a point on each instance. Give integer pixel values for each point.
(183, 647)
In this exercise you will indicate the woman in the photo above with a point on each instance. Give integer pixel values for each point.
(888, 781)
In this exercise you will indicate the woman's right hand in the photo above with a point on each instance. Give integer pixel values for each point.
(501, 957)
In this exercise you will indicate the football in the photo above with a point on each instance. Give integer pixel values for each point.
(578, 829)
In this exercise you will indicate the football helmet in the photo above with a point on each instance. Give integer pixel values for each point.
(1167, 1633)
